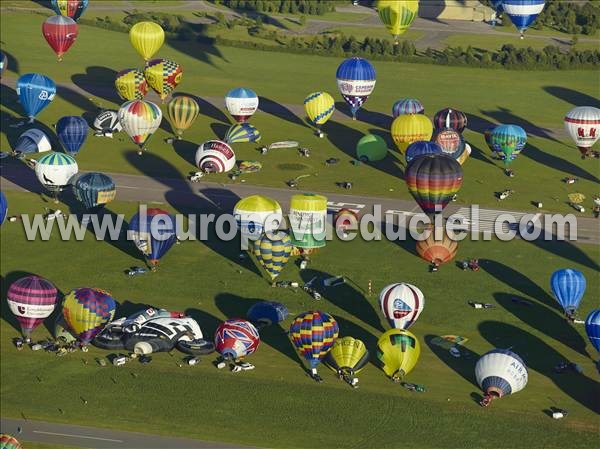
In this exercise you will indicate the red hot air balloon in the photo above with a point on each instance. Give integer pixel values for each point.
(60, 33)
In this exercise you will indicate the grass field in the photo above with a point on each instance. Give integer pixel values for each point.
(209, 282)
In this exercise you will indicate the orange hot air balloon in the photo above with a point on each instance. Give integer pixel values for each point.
(437, 250)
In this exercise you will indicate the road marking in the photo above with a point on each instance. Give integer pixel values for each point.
(77, 436)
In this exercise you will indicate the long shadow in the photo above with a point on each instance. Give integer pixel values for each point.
(210, 110)
(540, 317)
(44, 3)
(574, 97)
(477, 153)
(15, 171)
(504, 115)
(278, 110)
(128, 308)
(557, 163)
(186, 150)
(463, 365)
(346, 297)
(233, 306)
(373, 118)
(566, 250)
(479, 124)
(220, 129)
(10, 100)
(12, 63)
(201, 47)
(99, 82)
(541, 357)
(208, 322)
(75, 98)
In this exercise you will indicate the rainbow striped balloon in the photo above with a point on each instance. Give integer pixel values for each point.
(314, 333)
(140, 119)
(31, 299)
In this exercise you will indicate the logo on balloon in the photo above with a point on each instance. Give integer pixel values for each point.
(401, 309)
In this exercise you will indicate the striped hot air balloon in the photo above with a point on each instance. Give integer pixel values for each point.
(153, 233)
(163, 75)
(401, 304)
(32, 141)
(87, 311)
(397, 15)
(242, 132)
(9, 442)
(523, 12)
(35, 92)
(568, 287)
(140, 119)
(583, 126)
(215, 156)
(131, 84)
(347, 357)
(182, 111)
(241, 103)
(72, 132)
(55, 170)
(272, 252)
(500, 372)
(31, 299)
(146, 38)
(319, 107)
(450, 118)
(60, 32)
(410, 128)
(407, 106)
(70, 8)
(592, 328)
(437, 251)
(356, 79)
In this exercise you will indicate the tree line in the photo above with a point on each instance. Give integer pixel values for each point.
(310, 7)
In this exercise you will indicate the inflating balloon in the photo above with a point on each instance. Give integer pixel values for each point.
(568, 287)
(257, 214)
(407, 106)
(140, 119)
(215, 156)
(72, 132)
(70, 8)
(397, 15)
(401, 304)
(236, 338)
(266, 313)
(31, 299)
(55, 171)
(182, 111)
(356, 81)
(371, 148)
(242, 132)
(35, 92)
(583, 126)
(163, 75)
(60, 32)
(32, 141)
(94, 190)
(241, 103)
(153, 233)
(450, 118)
(421, 148)
(347, 357)
(398, 351)
(107, 123)
(437, 251)
(500, 372)
(146, 38)
(319, 107)
(410, 128)
(87, 311)
(131, 84)
(272, 251)
(523, 12)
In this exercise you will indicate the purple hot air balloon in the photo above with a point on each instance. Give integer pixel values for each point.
(31, 299)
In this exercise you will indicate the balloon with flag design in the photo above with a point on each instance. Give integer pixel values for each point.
(35, 92)
(140, 119)
(401, 304)
(131, 84)
(356, 79)
(87, 311)
(236, 338)
(31, 299)
(60, 32)
(163, 75)
(272, 251)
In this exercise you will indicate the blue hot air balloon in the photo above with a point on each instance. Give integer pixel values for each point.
(3, 207)
(592, 328)
(523, 12)
(265, 313)
(356, 81)
(568, 287)
(420, 148)
(407, 106)
(35, 92)
(94, 190)
(72, 132)
(153, 234)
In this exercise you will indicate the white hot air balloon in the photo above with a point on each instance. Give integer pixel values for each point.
(583, 126)
(256, 214)
(215, 156)
(401, 304)
(241, 103)
(32, 141)
(140, 119)
(55, 170)
(500, 372)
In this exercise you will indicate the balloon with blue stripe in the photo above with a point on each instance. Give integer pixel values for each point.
(523, 12)
(94, 190)
(35, 92)
(592, 328)
(72, 132)
(241, 103)
(420, 148)
(568, 287)
(499, 373)
(356, 79)
(242, 132)
(407, 106)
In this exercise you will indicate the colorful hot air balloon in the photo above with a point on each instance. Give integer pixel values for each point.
(450, 118)
(55, 170)
(9, 442)
(242, 132)
(452, 143)
(421, 148)
(87, 311)
(583, 125)
(592, 328)
(72, 132)
(307, 218)
(31, 299)
(131, 84)
(266, 313)
(347, 357)
(397, 15)
(70, 8)
(140, 119)
(236, 338)
(32, 141)
(94, 190)
(371, 148)
(407, 106)
(401, 304)
(60, 32)
(273, 252)
(319, 107)
(398, 351)
(500, 372)
(355, 81)
(523, 12)
(313, 334)
(146, 38)
(257, 214)
(163, 75)
(568, 287)
(410, 128)
(153, 233)
(437, 251)
(508, 141)
(241, 103)
(35, 92)
(3, 207)
(182, 111)
(215, 156)
(433, 180)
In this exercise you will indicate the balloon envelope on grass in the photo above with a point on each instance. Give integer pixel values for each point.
(371, 148)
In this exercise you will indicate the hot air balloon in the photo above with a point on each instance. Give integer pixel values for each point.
(182, 111)
(163, 75)
(347, 357)
(568, 287)
(94, 190)
(3, 63)
(87, 311)
(433, 180)
(32, 141)
(236, 338)
(355, 81)
(500, 372)
(523, 12)
(215, 156)
(398, 351)
(592, 328)
(3, 207)
(72, 132)
(153, 233)
(344, 220)
(140, 119)
(410, 128)
(266, 313)
(450, 118)
(452, 143)
(272, 251)
(508, 141)
(313, 334)
(583, 125)
(437, 251)
(241, 103)
(146, 38)
(497, 6)
(371, 148)
(9, 442)
(70, 8)
(242, 132)
(421, 148)
(31, 299)
(257, 214)
(60, 32)
(401, 304)
(55, 171)
(397, 15)
(107, 123)
(35, 92)
(307, 218)
(131, 84)
(407, 106)
(319, 107)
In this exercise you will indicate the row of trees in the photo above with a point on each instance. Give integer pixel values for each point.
(311, 7)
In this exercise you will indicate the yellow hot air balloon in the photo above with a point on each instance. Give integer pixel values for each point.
(163, 75)
(347, 356)
(397, 15)
(410, 128)
(146, 38)
(181, 112)
(131, 84)
(86, 311)
(319, 107)
(397, 353)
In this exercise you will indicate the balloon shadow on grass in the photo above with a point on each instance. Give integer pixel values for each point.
(571, 96)
(504, 115)
(557, 163)
(566, 250)
(74, 97)
(201, 48)
(12, 63)
(280, 111)
(15, 171)
(541, 357)
(10, 100)
(99, 82)
(540, 317)
(220, 129)
(186, 150)
(463, 365)
(373, 118)
(210, 110)
(208, 322)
